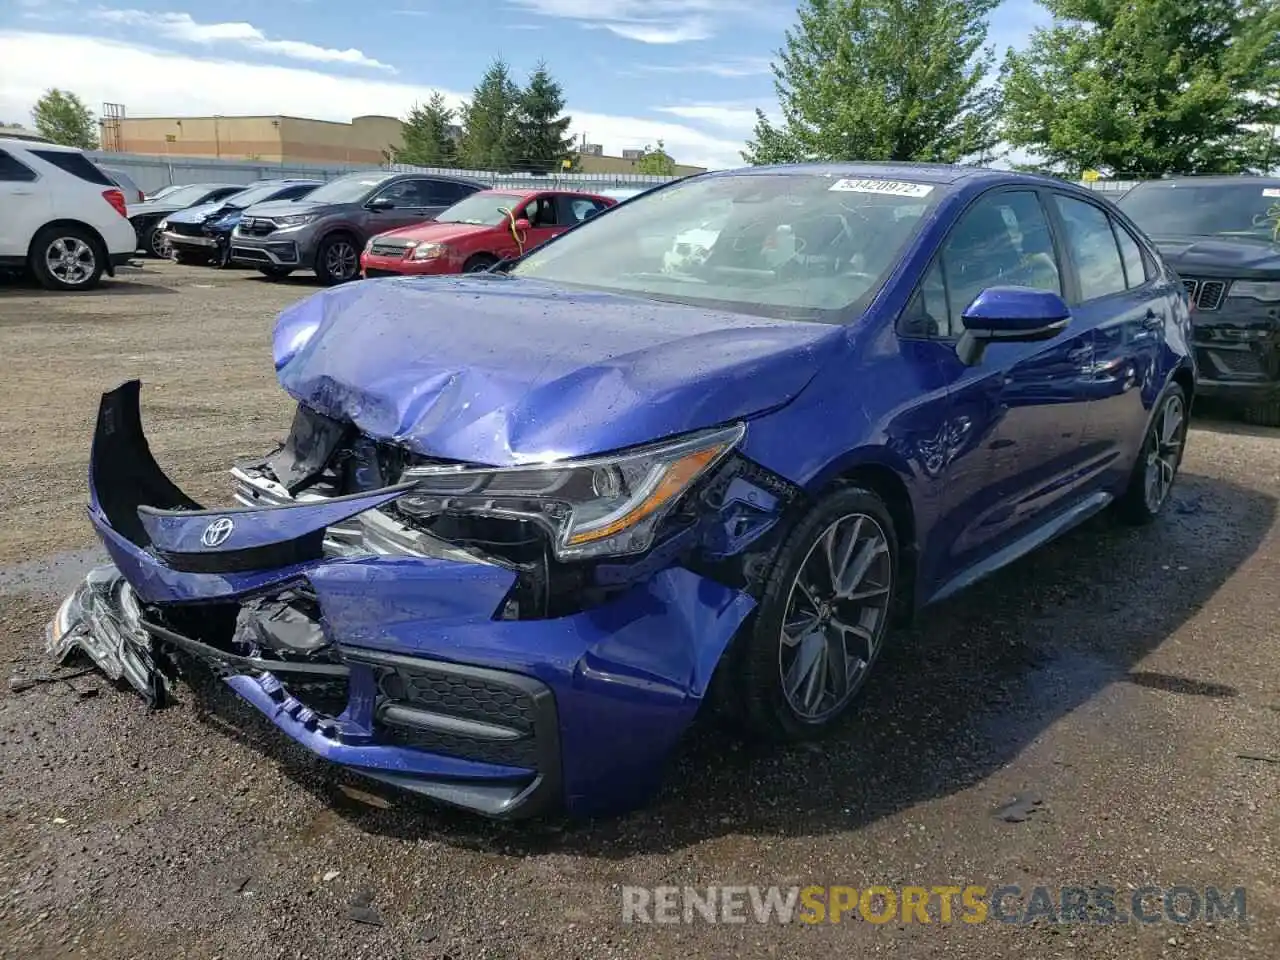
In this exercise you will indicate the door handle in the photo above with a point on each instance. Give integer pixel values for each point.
(1152, 321)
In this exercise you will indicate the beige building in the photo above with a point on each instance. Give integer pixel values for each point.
(275, 139)
(281, 139)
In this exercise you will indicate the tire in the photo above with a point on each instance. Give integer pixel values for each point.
(154, 243)
(479, 263)
(1156, 467)
(1266, 414)
(67, 258)
(337, 259)
(800, 592)
(275, 273)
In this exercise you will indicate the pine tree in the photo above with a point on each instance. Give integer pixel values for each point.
(882, 80)
(489, 134)
(1148, 87)
(542, 128)
(427, 139)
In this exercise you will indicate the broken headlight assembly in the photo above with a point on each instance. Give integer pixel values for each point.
(609, 505)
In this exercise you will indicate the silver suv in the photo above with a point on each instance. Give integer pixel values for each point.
(326, 230)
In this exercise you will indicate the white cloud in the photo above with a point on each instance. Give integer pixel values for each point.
(184, 29)
(731, 69)
(111, 71)
(645, 21)
(737, 117)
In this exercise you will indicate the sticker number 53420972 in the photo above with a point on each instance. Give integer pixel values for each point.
(894, 188)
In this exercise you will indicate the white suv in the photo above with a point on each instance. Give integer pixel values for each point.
(60, 216)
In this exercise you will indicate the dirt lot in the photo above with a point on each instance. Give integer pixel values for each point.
(1117, 677)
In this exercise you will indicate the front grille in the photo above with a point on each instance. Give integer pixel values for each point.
(256, 227)
(1205, 294)
(388, 250)
(490, 716)
(186, 229)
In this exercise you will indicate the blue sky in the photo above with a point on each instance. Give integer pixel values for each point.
(689, 72)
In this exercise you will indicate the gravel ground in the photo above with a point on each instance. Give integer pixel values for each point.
(1116, 677)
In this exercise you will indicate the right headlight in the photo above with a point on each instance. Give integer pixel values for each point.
(599, 506)
(1267, 291)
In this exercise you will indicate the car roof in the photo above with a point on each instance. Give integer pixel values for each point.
(11, 142)
(1211, 181)
(940, 173)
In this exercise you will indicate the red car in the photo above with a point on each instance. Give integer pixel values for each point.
(477, 232)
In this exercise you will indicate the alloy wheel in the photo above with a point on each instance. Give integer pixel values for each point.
(341, 261)
(70, 260)
(1164, 451)
(835, 617)
(159, 245)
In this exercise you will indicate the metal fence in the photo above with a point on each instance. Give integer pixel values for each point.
(152, 173)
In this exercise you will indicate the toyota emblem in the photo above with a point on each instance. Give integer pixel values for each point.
(216, 533)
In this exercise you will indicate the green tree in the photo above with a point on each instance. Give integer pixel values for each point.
(542, 140)
(1147, 86)
(62, 117)
(882, 80)
(428, 141)
(656, 161)
(489, 132)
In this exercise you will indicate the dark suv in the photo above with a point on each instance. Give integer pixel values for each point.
(1222, 236)
(326, 231)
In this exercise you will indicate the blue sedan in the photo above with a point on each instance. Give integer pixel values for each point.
(713, 444)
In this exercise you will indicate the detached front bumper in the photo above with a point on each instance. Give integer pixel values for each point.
(414, 682)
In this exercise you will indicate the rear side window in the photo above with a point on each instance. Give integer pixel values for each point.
(446, 192)
(76, 164)
(1092, 246)
(13, 170)
(1135, 264)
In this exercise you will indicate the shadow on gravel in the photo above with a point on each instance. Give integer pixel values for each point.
(110, 287)
(954, 699)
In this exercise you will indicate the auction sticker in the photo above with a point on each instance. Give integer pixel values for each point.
(1271, 191)
(894, 188)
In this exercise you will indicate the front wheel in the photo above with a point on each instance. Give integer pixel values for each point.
(479, 263)
(66, 258)
(337, 260)
(822, 620)
(1264, 414)
(154, 243)
(1158, 461)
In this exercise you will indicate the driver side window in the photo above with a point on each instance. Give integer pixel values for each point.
(1002, 240)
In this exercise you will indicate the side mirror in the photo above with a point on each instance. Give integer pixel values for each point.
(522, 225)
(1010, 315)
(381, 203)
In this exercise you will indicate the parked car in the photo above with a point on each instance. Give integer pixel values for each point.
(60, 216)
(1222, 236)
(203, 233)
(529, 522)
(326, 232)
(132, 193)
(148, 217)
(476, 233)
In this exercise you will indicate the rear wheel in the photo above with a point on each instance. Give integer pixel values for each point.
(337, 260)
(66, 258)
(479, 263)
(1158, 462)
(1266, 414)
(822, 620)
(275, 273)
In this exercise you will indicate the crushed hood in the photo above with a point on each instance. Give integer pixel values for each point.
(500, 371)
(1238, 257)
(199, 213)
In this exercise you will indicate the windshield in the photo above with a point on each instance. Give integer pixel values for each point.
(247, 198)
(482, 208)
(1206, 210)
(185, 196)
(802, 247)
(349, 189)
(164, 191)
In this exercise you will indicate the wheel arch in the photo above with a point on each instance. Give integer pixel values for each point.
(99, 242)
(1185, 378)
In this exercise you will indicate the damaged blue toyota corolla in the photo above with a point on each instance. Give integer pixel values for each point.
(706, 447)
